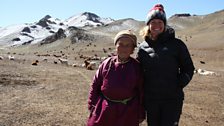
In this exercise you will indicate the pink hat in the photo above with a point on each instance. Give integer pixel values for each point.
(157, 12)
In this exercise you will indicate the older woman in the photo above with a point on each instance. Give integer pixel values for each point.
(115, 97)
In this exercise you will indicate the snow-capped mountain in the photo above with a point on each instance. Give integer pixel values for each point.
(87, 19)
(32, 33)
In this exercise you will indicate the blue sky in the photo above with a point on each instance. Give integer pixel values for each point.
(29, 11)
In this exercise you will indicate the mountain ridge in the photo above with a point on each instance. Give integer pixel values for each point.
(15, 35)
(32, 33)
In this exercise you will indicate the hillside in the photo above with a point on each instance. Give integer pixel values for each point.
(204, 36)
(36, 88)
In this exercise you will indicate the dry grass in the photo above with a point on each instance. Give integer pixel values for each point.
(55, 95)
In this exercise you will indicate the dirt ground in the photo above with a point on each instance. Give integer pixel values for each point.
(47, 94)
(56, 95)
(50, 94)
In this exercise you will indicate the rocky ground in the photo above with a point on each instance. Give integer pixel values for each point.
(51, 94)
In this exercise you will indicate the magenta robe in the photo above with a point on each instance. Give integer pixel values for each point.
(116, 81)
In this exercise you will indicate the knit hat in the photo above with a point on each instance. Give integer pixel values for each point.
(126, 34)
(157, 12)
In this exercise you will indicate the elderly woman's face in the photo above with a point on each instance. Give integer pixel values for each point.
(156, 27)
(124, 47)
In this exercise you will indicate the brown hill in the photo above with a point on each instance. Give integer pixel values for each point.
(53, 93)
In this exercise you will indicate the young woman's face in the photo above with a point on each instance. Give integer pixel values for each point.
(124, 47)
(156, 27)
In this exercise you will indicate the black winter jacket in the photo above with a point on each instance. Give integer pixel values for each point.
(167, 67)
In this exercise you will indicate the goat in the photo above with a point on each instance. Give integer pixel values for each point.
(11, 57)
(90, 65)
(35, 62)
(63, 61)
(204, 72)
